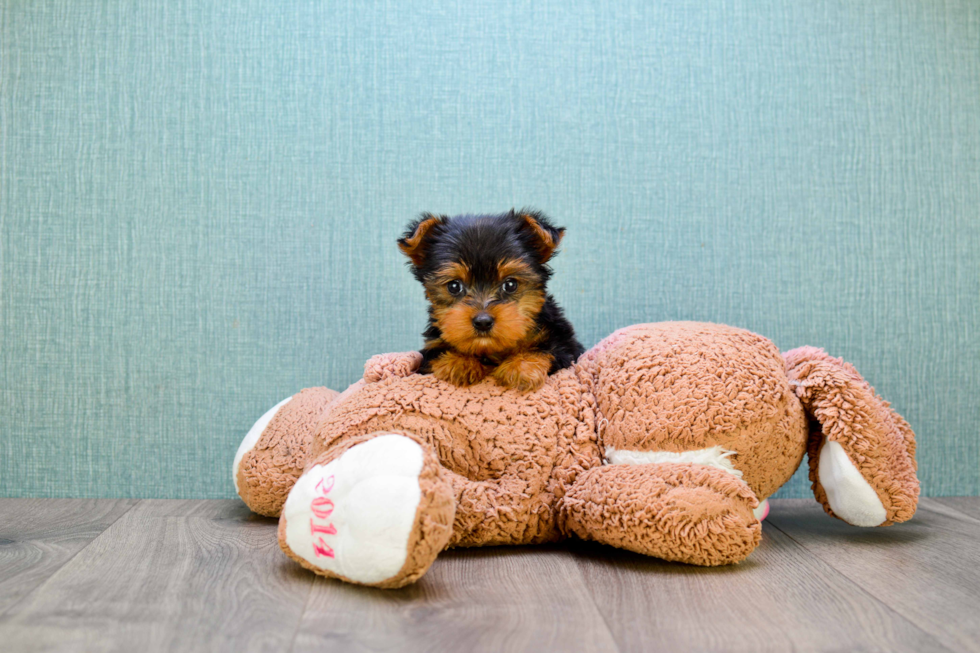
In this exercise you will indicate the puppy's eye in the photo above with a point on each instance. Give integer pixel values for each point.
(510, 285)
(455, 288)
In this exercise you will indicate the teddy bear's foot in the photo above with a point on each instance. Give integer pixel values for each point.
(376, 515)
(675, 511)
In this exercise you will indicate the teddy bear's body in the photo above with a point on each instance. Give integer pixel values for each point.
(662, 439)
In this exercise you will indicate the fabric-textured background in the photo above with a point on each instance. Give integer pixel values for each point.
(199, 203)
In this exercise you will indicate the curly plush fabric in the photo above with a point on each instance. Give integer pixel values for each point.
(682, 386)
(386, 366)
(878, 441)
(268, 471)
(705, 420)
(499, 451)
(687, 512)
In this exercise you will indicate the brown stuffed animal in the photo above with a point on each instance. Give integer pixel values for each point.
(662, 439)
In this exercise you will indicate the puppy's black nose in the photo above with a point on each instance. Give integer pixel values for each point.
(483, 322)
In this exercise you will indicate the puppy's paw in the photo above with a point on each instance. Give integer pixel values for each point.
(525, 371)
(459, 369)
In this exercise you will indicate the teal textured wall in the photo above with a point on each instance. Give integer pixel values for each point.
(198, 204)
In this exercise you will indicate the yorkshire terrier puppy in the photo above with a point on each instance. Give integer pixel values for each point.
(485, 277)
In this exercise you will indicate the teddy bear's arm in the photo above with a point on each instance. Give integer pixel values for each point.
(862, 459)
(384, 366)
(686, 512)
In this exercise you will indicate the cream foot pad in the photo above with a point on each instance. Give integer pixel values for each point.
(850, 496)
(354, 515)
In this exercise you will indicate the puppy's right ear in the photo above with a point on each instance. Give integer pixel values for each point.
(415, 243)
(543, 236)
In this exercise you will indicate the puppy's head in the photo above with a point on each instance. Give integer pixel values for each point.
(484, 275)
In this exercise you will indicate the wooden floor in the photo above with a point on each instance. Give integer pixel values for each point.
(93, 575)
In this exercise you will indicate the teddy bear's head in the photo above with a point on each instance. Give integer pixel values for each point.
(707, 391)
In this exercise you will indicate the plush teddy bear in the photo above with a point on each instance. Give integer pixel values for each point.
(664, 439)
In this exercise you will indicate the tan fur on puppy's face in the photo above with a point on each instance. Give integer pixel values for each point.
(513, 313)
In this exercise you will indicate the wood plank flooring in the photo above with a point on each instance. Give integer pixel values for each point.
(105, 575)
(38, 536)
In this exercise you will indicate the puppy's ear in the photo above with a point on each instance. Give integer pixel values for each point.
(415, 242)
(539, 232)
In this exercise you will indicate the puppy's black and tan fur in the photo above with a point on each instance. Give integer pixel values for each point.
(485, 277)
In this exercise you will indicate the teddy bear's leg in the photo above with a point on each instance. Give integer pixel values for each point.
(274, 452)
(862, 458)
(374, 510)
(685, 512)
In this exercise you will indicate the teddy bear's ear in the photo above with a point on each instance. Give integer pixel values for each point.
(414, 243)
(541, 234)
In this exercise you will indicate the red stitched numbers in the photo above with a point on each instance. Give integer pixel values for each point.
(322, 507)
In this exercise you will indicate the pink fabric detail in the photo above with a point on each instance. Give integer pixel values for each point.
(322, 550)
(322, 508)
(315, 528)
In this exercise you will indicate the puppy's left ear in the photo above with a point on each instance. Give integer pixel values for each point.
(543, 236)
(414, 243)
